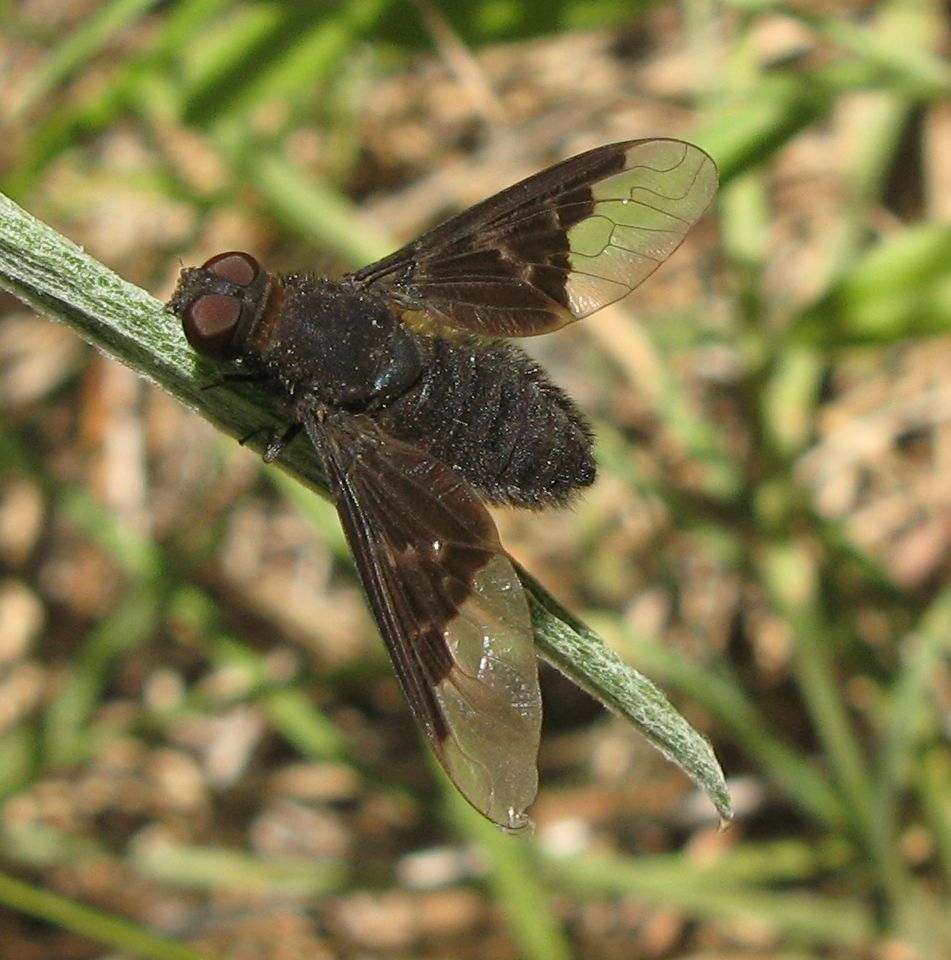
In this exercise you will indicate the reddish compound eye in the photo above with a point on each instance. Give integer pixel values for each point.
(235, 267)
(210, 323)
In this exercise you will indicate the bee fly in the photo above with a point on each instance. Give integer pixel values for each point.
(422, 413)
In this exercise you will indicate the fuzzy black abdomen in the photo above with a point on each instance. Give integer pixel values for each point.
(490, 411)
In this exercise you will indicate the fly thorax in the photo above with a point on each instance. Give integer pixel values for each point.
(340, 344)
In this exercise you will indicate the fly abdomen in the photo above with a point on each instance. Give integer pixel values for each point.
(490, 411)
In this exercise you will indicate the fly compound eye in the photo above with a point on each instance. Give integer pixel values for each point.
(210, 323)
(219, 303)
(235, 267)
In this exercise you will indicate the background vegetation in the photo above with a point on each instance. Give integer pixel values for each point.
(202, 748)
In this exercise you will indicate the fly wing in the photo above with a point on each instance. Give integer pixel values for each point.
(557, 246)
(449, 606)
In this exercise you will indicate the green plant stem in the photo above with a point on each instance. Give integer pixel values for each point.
(61, 281)
(719, 692)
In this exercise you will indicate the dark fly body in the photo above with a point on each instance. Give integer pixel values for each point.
(421, 411)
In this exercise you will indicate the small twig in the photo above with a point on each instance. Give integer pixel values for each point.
(62, 282)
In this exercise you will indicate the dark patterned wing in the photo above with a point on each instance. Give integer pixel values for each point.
(449, 606)
(557, 246)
